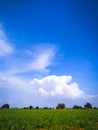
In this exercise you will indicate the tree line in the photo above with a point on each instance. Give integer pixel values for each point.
(59, 106)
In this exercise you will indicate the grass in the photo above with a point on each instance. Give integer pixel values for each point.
(48, 119)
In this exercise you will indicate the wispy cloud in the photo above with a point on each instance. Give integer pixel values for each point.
(11, 81)
(43, 58)
(37, 60)
(5, 47)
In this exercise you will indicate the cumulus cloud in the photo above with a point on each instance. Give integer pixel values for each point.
(48, 86)
(5, 47)
(58, 86)
(41, 91)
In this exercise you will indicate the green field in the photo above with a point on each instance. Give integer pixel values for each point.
(48, 119)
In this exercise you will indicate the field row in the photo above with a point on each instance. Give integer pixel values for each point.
(48, 119)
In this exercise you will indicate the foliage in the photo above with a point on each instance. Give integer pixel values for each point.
(25, 107)
(60, 106)
(30, 107)
(37, 107)
(88, 105)
(5, 106)
(48, 119)
(77, 107)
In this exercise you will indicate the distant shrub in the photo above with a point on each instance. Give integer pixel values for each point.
(25, 108)
(5, 106)
(77, 107)
(60, 106)
(37, 107)
(30, 107)
(87, 106)
(95, 107)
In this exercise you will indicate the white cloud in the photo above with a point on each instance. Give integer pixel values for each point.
(37, 60)
(48, 86)
(43, 60)
(41, 91)
(11, 81)
(5, 47)
(58, 86)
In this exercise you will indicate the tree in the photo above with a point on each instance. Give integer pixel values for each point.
(5, 106)
(88, 105)
(95, 107)
(37, 107)
(30, 107)
(60, 106)
(77, 107)
(25, 108)
(45, 108)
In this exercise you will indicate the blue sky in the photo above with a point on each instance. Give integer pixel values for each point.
(48, 52)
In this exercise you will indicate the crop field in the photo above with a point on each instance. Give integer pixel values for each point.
(48, 119)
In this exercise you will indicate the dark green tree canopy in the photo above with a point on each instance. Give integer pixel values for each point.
(37, 107)
(60, 106)
(77, 107)
(30, 107)
(88, 105)
(5, 106)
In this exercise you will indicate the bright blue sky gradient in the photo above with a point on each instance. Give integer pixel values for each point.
(69, 26)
